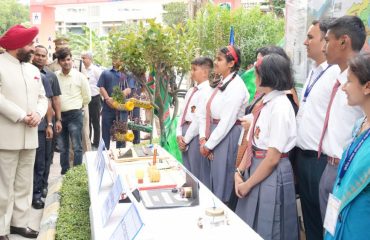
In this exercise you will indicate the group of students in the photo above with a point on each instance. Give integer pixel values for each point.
(329, 134)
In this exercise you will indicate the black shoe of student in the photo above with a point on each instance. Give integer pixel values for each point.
(38, 204)
(44, 192)
(24, 232)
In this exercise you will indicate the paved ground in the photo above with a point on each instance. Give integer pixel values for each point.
(36, 215)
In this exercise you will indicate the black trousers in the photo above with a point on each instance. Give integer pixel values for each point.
(309, 171)
(48, 159)
(39, 167)
(94, 118)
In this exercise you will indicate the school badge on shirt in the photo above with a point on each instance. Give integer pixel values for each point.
(257, 132)
(36, 78)
(193, 109)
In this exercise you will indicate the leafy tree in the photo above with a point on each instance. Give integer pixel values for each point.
(253, 29)
(175, 13)
(275, 6)
(11, 13)
(164, 52)
(278, 6)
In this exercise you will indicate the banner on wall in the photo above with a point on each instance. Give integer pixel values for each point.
(299, 16)
(36, 18)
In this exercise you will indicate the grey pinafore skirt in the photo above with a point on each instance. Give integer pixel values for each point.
(270, 208)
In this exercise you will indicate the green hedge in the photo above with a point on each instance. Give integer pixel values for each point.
(73, 218)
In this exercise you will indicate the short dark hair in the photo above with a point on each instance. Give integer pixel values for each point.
(314, 22)
(351, 26)
(230, 58)
(324, 23)
(360, 66)
(272, 49)
(63, 53)
(42, 46)
(203, 62)
(275, 72)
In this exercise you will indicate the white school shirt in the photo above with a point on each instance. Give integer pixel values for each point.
(93, 73)
(276, 124)
(342, 118)
(311, 114)
(227, 106)
(202, 93)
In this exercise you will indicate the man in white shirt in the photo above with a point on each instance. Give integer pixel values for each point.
(93, 73)
(344, 39)
(188, 125)
(75, 94)
(310, 119)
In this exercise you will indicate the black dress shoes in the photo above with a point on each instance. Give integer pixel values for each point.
(44, 192)
(38, 204)
(4, 237)
(24, 232)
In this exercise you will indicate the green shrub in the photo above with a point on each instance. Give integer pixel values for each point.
(73, 218)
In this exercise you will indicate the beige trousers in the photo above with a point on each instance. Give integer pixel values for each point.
(16, 183)
(86, 142)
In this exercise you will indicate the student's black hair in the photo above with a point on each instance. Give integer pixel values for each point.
(230, 58)
(203, 62)
(351, 26)
(272, 49)
(360, 66)
(42, 46)
(275, 72)
(63, 53)
(324, 24)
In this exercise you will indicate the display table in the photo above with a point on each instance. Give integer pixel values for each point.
(161, 224)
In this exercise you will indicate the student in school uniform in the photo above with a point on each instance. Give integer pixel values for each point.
(344, 40)
(188, 126)
(249, 109)
(266, 187)
(220, 125)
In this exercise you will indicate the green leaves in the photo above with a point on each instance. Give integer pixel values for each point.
(117, 95)
(175, 13)
(73, 217)
(81, 42)
(11, 13)
(163, 51)
(152, 45)
(253, 29)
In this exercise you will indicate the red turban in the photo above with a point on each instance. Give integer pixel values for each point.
(17, 37)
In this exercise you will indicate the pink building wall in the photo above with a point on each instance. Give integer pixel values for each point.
(42, 16)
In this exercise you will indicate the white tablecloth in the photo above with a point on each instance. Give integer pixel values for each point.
(160, 224)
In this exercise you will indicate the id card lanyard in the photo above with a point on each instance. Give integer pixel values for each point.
(350, 156)
(310, 85)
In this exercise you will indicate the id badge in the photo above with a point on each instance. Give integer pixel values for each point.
(331, 214)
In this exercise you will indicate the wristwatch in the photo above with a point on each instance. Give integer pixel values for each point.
(50, 124)
(240, 172)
